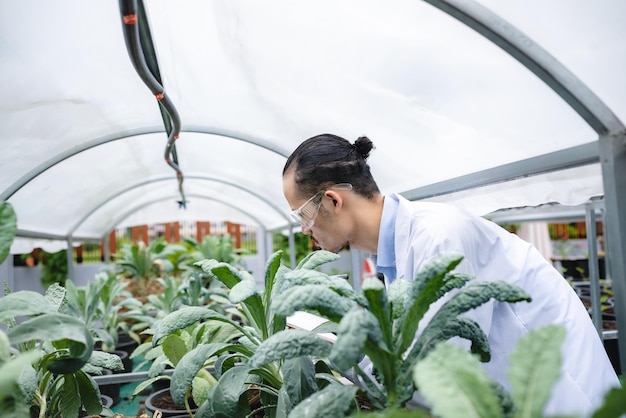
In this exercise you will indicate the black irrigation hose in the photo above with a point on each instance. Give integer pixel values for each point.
(130, 24)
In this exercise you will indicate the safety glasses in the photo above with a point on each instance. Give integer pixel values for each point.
(306, 213)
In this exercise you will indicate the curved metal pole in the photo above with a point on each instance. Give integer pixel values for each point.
(77, 149)
(101, 202)
(536, 59)
(611, 131)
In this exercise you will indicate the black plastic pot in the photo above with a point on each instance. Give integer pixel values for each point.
(111, 390)
(156, 401)
(126, 343)
(107, 402)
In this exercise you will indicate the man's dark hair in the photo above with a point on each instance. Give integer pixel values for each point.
(328, 159)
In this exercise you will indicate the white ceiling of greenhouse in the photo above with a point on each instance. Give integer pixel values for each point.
(83, 139)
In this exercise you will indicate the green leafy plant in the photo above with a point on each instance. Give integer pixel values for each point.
(279, 383)
(54, 268)
(454, 383)
(57, 382)
(383, 325)
(8, 228)
(98, 305)
(145, 263)
(302, 245)
(214, 247)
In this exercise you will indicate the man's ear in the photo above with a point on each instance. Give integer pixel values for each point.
(335, 198)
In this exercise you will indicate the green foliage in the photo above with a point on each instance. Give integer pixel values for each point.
(614, 404)
(214, 247)
(8, 228)
(98, 304)
(47, 371)
(145, 263)
(455, 384)
(54, 268)
(302, 246)
(383, 325)
(260, 355)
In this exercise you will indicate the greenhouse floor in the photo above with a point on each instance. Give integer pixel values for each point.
(128, 407)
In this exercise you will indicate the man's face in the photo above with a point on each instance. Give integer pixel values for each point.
(316, 214)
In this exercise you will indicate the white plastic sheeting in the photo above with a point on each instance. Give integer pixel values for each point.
(82, 138)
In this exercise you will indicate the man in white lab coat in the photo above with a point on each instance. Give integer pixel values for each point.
(328, 183)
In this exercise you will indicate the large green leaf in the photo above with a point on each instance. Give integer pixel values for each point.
(283, 404)
(295, 278)
(50, 327)
(8, 228)
(56, 295)
(289, 344)
(226, 395)
(354, 329)
(614, 405)
(174, 348)
(374, 291)
(468, 298)
(316, 297)
(455, 384)
(188, 368)
(458, 327)
(23, 303)
(89, 393)
(398, 297)
(271, 268)
(334, 400)
(5, 347)
(298, 278)
(70, 403)
(534, 367)
(316, 259)
(27, 381)
(242, 291)
(299, 378)
(181, 319)
(109, 361)
(201, 386)
(224, 272)
(425, 290)
(68, 334)
(11, 370)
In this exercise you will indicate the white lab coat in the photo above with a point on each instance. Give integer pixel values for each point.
(424, 231)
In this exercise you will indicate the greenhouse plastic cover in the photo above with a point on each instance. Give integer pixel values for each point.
(83, 138)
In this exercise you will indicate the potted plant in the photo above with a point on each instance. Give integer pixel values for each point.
(141, 264)
(57, 383)
(383, 325)
(275, 385)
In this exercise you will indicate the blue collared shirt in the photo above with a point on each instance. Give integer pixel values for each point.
(385, 258)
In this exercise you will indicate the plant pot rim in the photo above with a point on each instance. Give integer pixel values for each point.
(150, 406)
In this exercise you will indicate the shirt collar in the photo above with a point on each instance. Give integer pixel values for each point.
(386, 254)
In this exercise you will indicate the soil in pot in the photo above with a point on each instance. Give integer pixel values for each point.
(161, 400)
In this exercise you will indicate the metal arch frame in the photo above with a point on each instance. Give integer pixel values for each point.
(64, 155)
(134, 209)
(536, 59)
(77, 149)
(611, 134)
(558, 160)
(96, 206)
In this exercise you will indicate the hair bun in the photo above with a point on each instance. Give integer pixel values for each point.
(364, 145)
